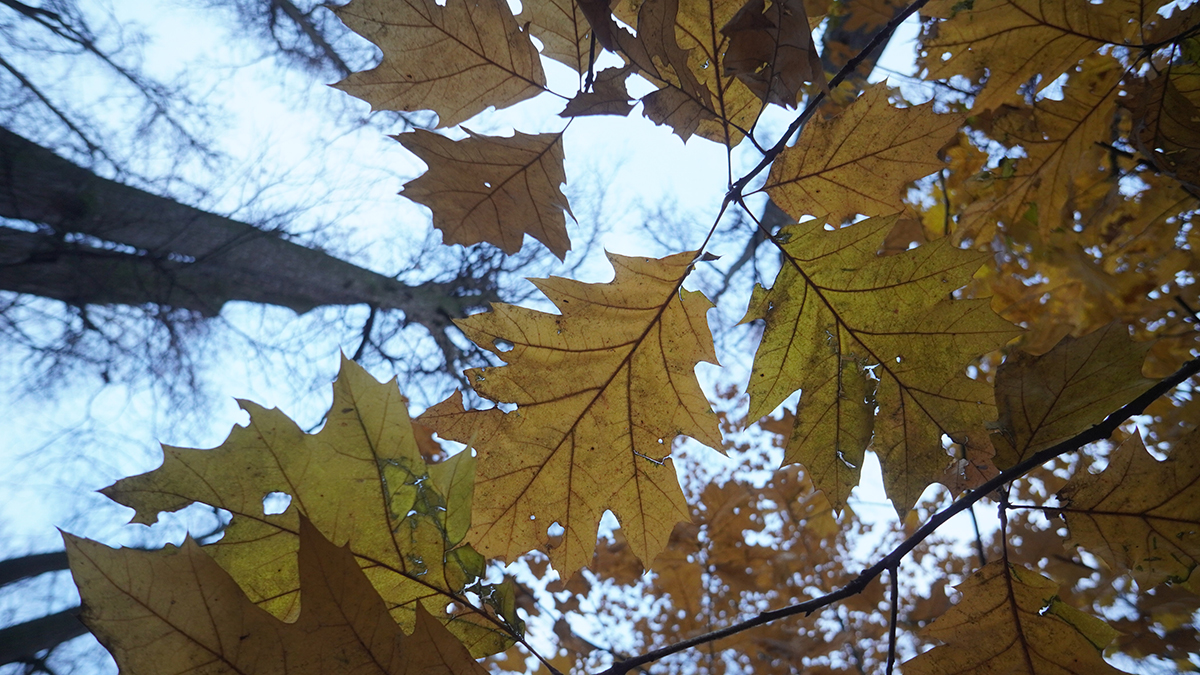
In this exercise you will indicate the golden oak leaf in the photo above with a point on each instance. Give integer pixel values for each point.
(1019, 41)
(601, 391)
(1059, 138)
(607, 97)
(455, 60)
(1044, 400)
(1140, 515)
(1010, 621)
(176, 611)
(1167, 123)
(771, 50)
(861, 160)
(854, 330)
(492, 189)
(361, 479)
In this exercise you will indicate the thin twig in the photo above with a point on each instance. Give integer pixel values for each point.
(1093, 434)
(891, 662)
(978, 538)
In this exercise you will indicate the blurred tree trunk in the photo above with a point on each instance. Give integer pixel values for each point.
(101, 242)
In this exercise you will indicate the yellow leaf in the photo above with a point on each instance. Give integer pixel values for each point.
(601, 390)
(1139, 514)
(1044, 400)
(361, 479)
(1009, 621)
(492, 189)
(1059, 139)
(1018, 41)
(861, 160)
(175, 611)
(455, 60)
(853, 330)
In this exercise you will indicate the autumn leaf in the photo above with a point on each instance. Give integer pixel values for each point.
(1139, 514)
(456, 60)
(175, 610)
(492, 189)
(861, 160)
(1058, 138)
(1010, 621)
(771, 50)
(1044, 400)
(1019, 41)
(563, 29)
(1167, 122)
(361, 480)
(853, 330)
(602, 390)
(607, 97)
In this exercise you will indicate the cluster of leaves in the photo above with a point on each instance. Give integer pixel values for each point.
(991, 286)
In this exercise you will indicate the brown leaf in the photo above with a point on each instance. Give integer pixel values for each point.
(175, 610)
(1167, 123)
(771, 50)
(1010, 621)
(1140, 515)
(455, 60)
(492, 189)
(564, 30)
(1044, 400)
(607, 97)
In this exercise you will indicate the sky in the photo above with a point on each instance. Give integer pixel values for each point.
(287, 129)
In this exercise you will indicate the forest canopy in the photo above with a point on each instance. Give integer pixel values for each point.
(985, 279)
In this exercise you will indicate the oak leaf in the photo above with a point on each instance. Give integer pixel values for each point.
(492, 189)
(455, 60)
(1059, 139)
(1010, 621)
(1167, 122)
(361, 479)
(771, 50)
(1019, 41)
(861, 160)
(607, 97)
(601, 391)
(563, 28)
(853, 331)
(175, 610)
(1044, 400)
(1139, 514)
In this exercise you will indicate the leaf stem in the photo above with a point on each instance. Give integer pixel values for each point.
(892, 560)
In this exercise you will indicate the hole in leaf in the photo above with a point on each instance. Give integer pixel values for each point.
(502, 345)
(276, 503)
(487, 184)
(555, 530)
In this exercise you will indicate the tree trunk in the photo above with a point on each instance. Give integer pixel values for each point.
(109, 243)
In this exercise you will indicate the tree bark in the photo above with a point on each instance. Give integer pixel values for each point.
(24, 641)
(109, 243)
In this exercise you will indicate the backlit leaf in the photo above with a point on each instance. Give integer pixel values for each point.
(456, 60)
(1167, 122)
(853, 330)
(1044, 400)
(176, 611)
(492, 189)
(1019, 41)
(771, 50)
(1140, 515)
(360, 479)
(602, 390)
(861, 160)
(1010, 621)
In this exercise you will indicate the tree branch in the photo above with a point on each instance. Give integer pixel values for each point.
(892, 560)
(23, 641)
(16, 569)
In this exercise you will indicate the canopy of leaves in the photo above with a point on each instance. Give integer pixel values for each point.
(1049, 185)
